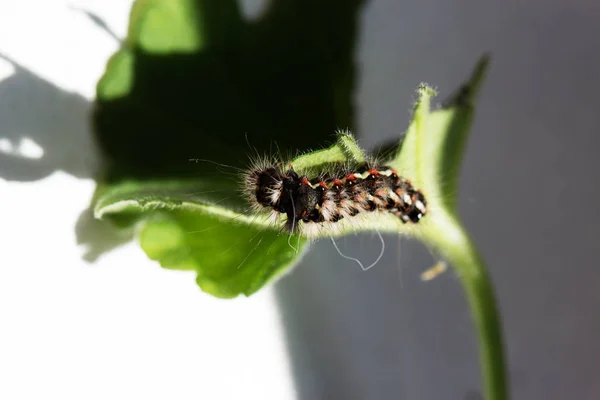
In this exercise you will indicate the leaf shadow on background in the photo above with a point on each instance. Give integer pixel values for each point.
(99, 22)
(56, 120)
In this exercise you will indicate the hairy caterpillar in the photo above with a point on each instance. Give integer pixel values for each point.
(332, 196)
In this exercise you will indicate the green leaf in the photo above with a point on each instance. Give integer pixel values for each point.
(245, 258)
(185, 226)
(431, 155)
(165, 26)
(433, 149)
(119, 81)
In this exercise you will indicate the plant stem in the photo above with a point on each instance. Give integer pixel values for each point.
(454, 244)
(480, 295)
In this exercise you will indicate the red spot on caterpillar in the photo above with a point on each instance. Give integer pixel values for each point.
(374, 172)
(337, 182)
(305, 181)
(323, 184)
(350, 177)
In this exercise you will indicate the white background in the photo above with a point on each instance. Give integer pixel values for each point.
(121, 328)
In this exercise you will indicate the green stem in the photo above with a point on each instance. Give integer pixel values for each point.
(480, 295)
(456, 246)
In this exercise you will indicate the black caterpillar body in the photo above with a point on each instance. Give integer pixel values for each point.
(331, 198)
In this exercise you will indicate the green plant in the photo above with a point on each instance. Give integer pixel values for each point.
(193, 77)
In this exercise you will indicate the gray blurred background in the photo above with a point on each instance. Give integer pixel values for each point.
(529, 196)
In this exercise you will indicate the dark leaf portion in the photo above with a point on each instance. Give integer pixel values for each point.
(203, 83)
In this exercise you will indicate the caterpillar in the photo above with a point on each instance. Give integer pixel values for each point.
(332, 196)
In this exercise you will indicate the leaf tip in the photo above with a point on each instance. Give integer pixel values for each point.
(466, 94)
(425, 89)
